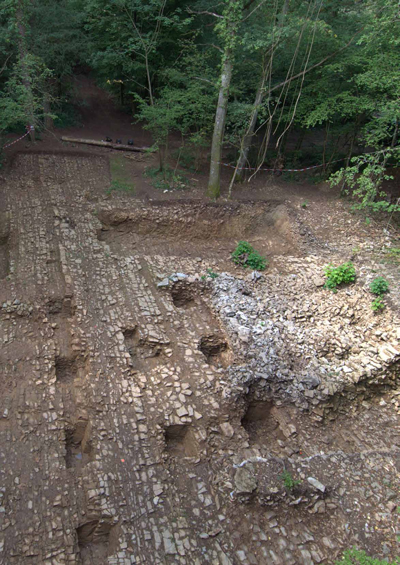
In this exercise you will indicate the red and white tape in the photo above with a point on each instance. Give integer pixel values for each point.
(28, 131)
(277, 170)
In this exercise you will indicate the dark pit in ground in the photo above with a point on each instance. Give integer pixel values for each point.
(97, 540)
(66, 368)
(180, 440)
(215, 349)
(77, 443)
(260, 423)
(182, 296)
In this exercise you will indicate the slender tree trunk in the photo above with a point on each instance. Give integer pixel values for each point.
(387, 155)
(214, 189)
(353, 139)
(248, 137)
(26, 79)
(48, 120)
(334, 152)
(299, 142)
(149, 86)
(325, 144)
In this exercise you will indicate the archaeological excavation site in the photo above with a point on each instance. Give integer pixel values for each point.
(161, 404)
(199, 282)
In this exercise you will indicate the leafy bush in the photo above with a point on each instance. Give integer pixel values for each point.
(288, 481)
(379, 286)
(377, 305)
(245, 256)
(364, 179)
(356, 557)
(335, 276)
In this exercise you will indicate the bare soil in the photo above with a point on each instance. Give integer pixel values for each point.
(118, 442)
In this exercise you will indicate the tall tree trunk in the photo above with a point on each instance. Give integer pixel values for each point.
(214, 189)
(26, 78)
(228, 29)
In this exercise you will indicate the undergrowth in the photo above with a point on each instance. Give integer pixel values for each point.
(288, 481)
(357, 557)
(120, 187)
(210, 273)
(336, 276)
(377, 305)
(392, 256)
(246, 256)
(379, 286)
(167, 180)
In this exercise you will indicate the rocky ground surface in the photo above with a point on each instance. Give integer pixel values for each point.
(152, 412)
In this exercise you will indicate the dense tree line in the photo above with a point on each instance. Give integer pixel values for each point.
(242, 73)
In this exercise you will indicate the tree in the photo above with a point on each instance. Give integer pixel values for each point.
(371, 99)
(21, 98)
(133, 40)
(227, 29)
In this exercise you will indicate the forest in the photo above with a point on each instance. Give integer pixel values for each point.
(246, 81)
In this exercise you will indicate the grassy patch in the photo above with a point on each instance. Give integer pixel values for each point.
(392, 256)
(357, 557)
(121, 177)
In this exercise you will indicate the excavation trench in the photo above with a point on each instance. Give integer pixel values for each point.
(171, 226)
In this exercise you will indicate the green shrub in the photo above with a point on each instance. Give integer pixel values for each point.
(288, 481)
(245, 256)
(377, 305)
(356, 557)
(335, 276)
(379, 286)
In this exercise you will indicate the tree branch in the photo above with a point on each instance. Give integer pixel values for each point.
(5, 64)
(205, 80)
(211, 45)
(190, 11)
(252, 12)
(302, 73)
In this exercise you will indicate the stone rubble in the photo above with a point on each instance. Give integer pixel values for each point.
(125, 440)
